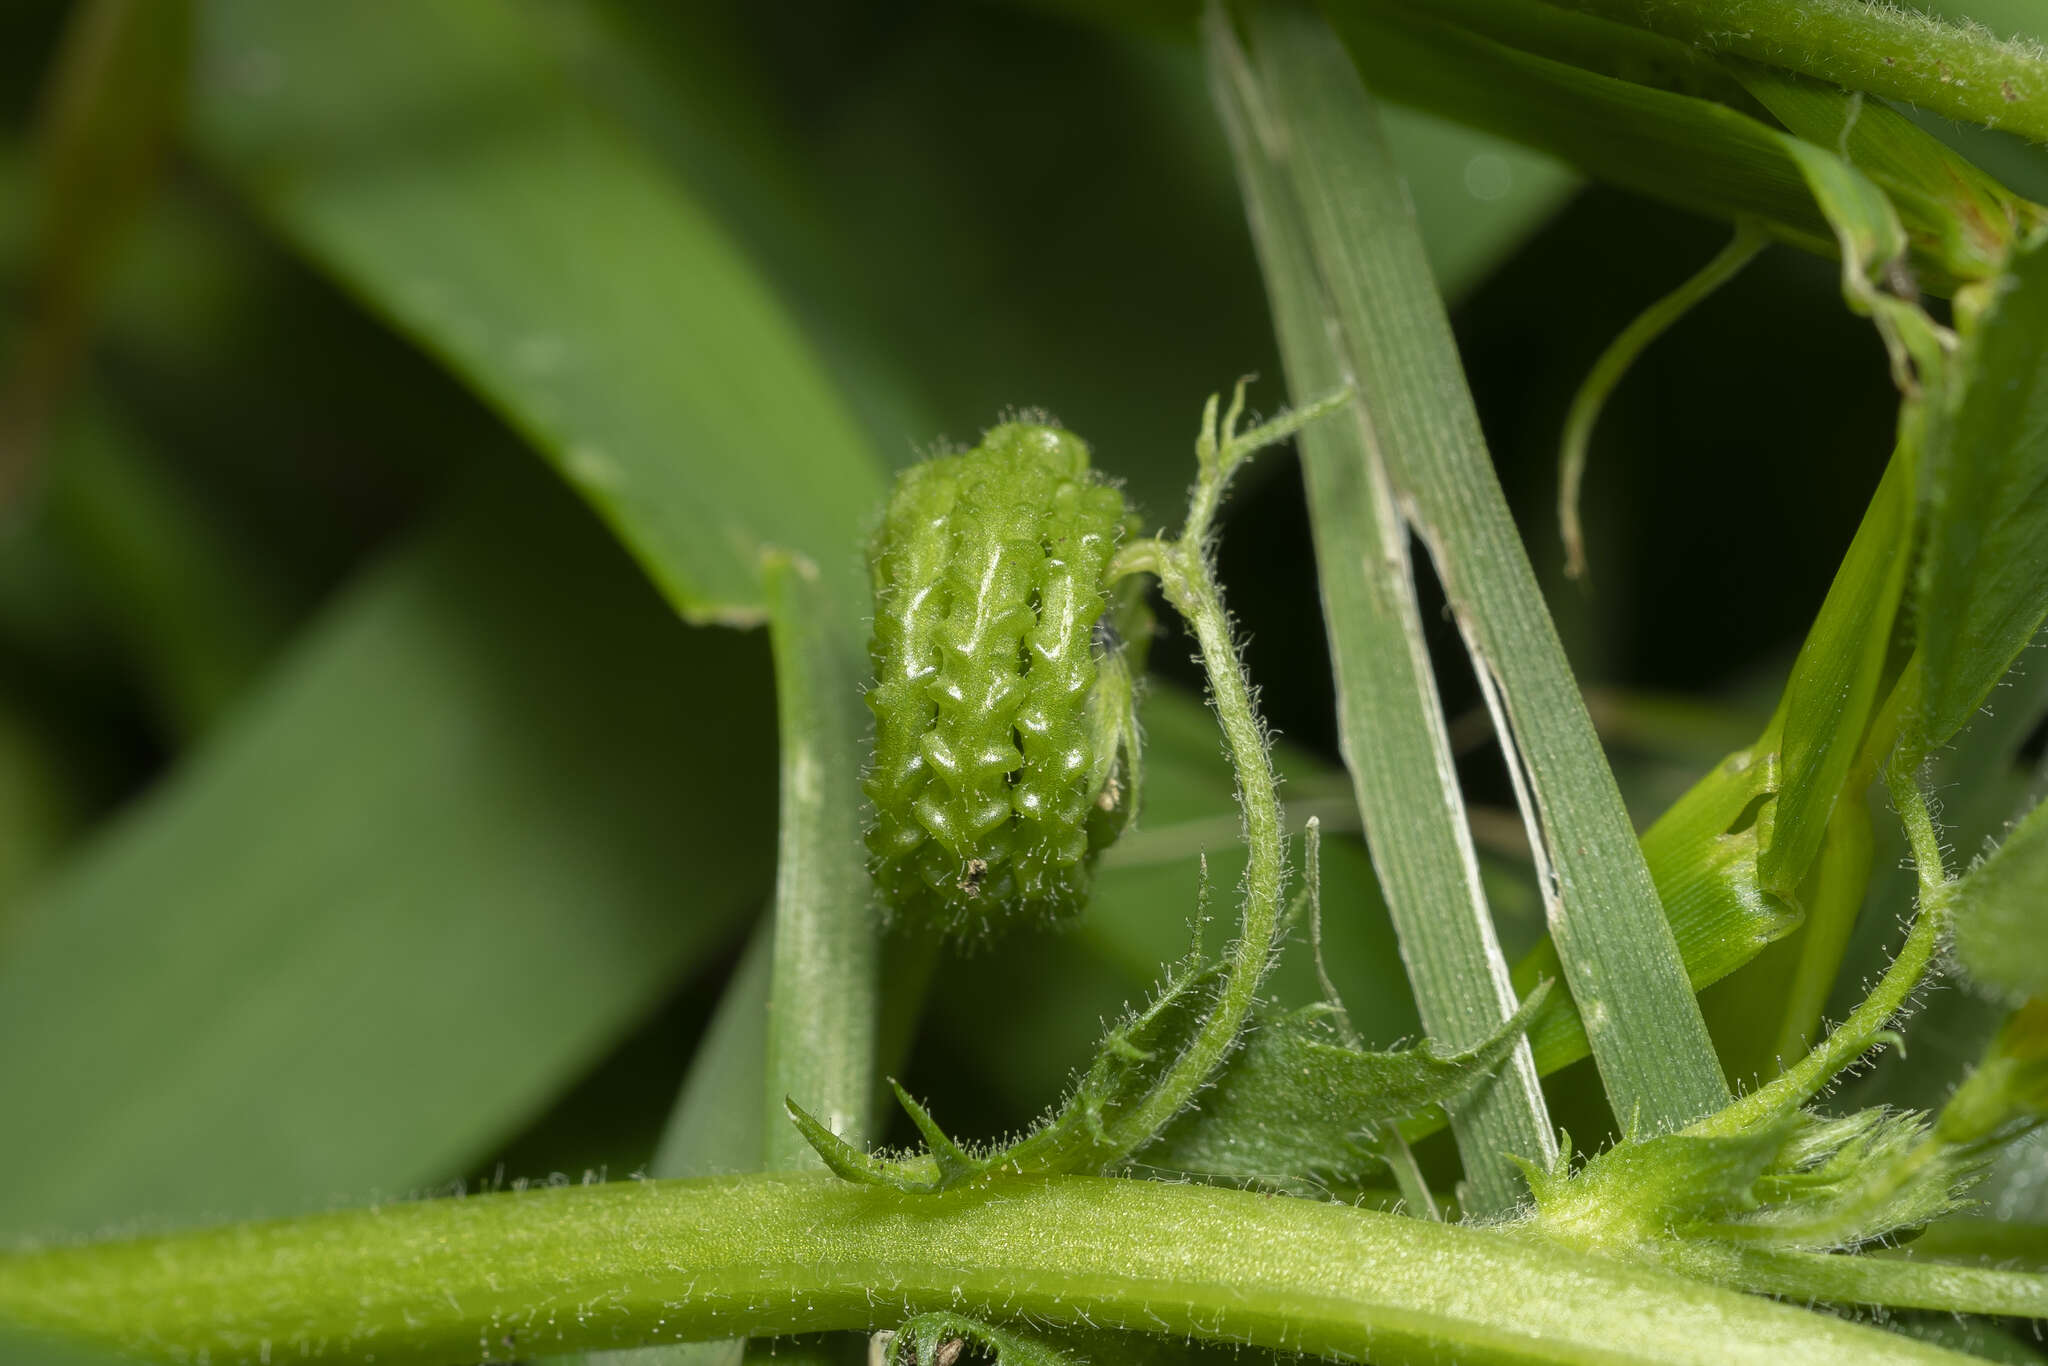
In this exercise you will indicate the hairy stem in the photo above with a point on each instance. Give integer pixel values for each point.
(1893, 51)
(1866, 1023)
(611, 1266)
(1189, 582)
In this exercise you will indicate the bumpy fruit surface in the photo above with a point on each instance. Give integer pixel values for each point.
(991, 787)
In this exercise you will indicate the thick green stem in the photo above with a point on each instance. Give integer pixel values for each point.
(1888, 50)
(610, 1266)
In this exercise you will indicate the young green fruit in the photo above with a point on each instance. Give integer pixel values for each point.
(1004, 737)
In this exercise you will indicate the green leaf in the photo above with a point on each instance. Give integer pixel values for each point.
(1477, 197)
(1953, 212)
(1695, 153)
(2002, 914)
(1703, 854)
(466, 836)
(109, 115)
(2006, 1096)
(1983, 586)
(1297, 1109)
(193, 611)
(1829, 699)
(1618, 955)
(716, 1126)
(1958, 71)
(40, 807)
(428, 156)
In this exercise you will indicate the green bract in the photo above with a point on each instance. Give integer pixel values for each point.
(1000, 711)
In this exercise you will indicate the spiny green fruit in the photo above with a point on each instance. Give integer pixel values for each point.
(1005, 748)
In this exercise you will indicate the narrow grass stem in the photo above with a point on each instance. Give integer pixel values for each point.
(1621, 353)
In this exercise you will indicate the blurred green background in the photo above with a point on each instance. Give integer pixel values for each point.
(370, 822)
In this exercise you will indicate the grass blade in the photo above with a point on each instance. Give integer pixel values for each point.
(1834, 686)
(1695, 153)
(110, 114)
(2000, 922)
(1620, 960)
(554, 266)
(581, 290)
(1955, 213)
(1390, 717)
(457, 846)
(197, 613)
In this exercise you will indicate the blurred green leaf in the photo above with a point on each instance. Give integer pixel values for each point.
(715, 1126)
(470, 831)
(113, 99)
(2002, 914)
(1692, 152)
(1477, 196)
(39, 804)
(576, 284)
(194, 613)
(1983, 586)
(431, 157)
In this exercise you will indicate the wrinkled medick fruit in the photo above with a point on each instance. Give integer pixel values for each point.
(1005, 741)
